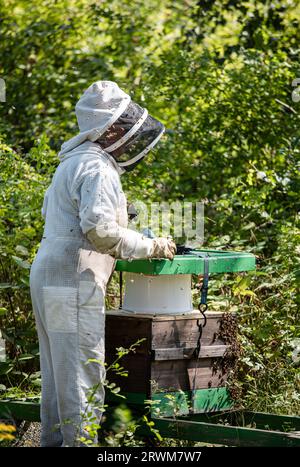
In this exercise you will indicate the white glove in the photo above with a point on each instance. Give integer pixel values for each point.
(163, 248)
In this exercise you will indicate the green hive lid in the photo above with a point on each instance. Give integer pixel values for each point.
(219, 262)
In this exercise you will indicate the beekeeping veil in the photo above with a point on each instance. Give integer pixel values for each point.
(122, 128)
(132, 136)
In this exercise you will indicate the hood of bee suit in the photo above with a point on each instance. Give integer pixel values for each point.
(120, 128)
(97, 109)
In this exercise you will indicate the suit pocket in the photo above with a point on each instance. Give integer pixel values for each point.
(91, 315)
(60, 308)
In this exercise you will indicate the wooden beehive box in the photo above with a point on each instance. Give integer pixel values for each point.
(164, 363)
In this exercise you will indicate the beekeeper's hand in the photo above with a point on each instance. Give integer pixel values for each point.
(163, 248)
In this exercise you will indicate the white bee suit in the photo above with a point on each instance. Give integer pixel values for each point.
(85, 230)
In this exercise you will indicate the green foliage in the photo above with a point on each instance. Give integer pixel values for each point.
(219, 75)
(21, 197)
(123, 423)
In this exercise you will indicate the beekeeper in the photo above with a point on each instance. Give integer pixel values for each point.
(85, 231)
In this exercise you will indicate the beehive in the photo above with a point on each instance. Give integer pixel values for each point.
(167, 363)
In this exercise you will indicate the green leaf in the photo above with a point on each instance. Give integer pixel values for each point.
(26, 357)
(22, 263)
(5, 368)
(22, 250)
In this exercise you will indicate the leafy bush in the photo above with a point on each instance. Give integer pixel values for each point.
(219, 75)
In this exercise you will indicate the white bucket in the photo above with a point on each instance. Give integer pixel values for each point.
(160, 294)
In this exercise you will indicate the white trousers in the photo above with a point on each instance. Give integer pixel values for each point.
(71, 325)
